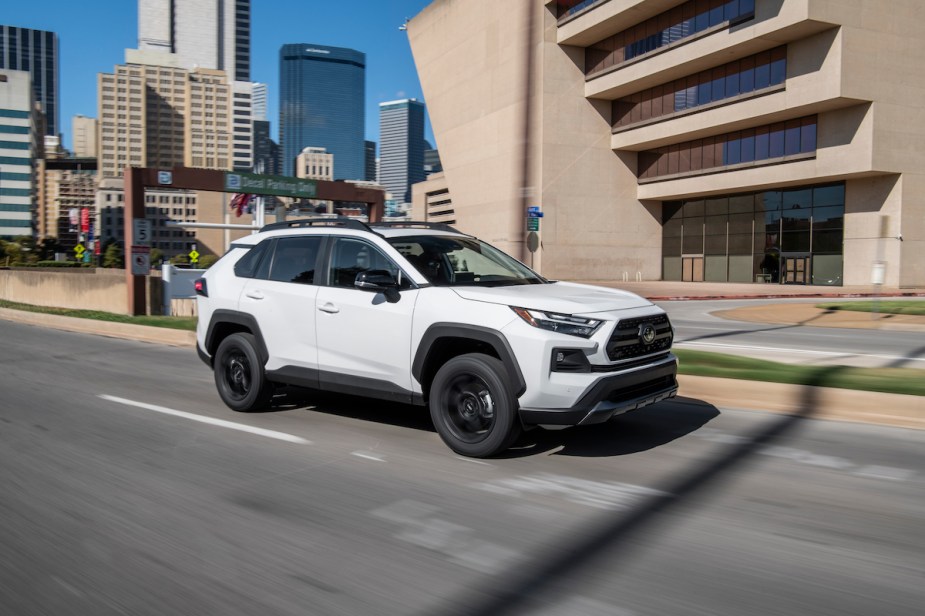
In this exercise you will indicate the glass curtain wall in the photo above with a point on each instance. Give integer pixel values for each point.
(789, 236)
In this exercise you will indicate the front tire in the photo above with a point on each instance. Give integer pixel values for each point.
(239, 376)
(472, 406)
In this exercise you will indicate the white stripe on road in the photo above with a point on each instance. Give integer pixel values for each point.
(280, 436)
(368, 456)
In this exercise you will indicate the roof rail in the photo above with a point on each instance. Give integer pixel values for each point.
(411, 224)
(340, 221)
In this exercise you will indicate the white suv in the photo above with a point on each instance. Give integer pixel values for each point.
(423, 314)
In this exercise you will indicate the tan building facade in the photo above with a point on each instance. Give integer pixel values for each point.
(83, 131)
(314, 164)
(161, 116)
(703, 140)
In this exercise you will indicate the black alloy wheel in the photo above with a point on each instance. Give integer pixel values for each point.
(472, 406)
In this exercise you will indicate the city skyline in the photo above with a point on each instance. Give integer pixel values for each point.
(90, 45)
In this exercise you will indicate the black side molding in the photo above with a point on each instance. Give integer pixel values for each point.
(241, 320)
(491, 337)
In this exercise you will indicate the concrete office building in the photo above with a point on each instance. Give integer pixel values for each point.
(20, 146)
(242, 126)
(63, 184)
(259, 101)
(84, 137)
(743, 140)
(314, 164)
(162, 116)
(34, 51)
(211, 34)
(322, 98)
(401, 143)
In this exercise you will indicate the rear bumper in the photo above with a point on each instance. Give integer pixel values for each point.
(613, 395)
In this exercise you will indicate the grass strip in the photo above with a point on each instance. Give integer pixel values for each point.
(881, 306)
(184, 323)
(885, 380)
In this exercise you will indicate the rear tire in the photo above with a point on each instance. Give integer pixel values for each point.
(239, 375)
(472, 406)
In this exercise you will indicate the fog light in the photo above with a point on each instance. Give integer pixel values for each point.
(570, 360)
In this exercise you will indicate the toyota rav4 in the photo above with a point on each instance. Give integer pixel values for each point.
(424, 314)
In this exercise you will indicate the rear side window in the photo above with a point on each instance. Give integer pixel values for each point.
(246, 267)
(295, 259)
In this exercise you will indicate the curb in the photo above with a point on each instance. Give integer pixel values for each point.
(125, 331)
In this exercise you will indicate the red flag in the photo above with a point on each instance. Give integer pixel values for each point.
(238, 202)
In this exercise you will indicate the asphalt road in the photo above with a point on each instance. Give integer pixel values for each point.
(122, 491)
(696, 328)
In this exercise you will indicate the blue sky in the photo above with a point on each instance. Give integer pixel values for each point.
(93, 37)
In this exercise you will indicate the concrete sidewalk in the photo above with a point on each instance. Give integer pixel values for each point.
(662, 290)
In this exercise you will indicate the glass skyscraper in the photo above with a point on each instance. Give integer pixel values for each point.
(34, 51)
(322, 97)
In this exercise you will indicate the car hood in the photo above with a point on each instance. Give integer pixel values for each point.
(560, 297)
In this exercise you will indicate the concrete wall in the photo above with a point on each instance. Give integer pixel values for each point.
(84, 289)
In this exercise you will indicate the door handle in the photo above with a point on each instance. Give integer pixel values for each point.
(329, 308)
(254, 294)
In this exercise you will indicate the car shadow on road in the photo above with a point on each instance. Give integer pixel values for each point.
(647, 428)
(354, 407)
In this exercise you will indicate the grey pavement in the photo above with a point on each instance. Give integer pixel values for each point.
(128, 488)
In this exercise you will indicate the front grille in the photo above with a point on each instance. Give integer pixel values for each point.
(626, 342)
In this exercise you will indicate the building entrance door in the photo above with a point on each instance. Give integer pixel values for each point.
(692, 268)
(796, 268)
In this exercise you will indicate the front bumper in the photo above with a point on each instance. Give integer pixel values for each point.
(612, 395)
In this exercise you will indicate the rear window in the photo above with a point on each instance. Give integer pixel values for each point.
(246, 267)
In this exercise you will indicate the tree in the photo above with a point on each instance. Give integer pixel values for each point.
(207, 261)
(157, 257)
(113, 256)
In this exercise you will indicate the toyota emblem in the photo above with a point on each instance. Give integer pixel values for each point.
(647, 333)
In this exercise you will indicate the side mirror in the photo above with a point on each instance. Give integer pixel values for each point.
(379, 281)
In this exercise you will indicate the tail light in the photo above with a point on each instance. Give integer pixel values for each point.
(201, 288)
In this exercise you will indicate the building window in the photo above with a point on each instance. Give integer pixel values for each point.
(754, 145)
(710, 86)
(681, 22)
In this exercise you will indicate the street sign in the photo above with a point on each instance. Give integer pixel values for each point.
(534, 214)
(533, 241)
(141, 260)
(165, 177)
(79, 250)
(533, 208)
(141, 232)
(193, 256)
(255, 184)
(533, 224)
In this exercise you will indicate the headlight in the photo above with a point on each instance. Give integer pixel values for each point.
(561, 323)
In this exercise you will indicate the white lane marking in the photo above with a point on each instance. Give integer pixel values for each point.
(423, 525)
(600, 494)
(746, 347)
(809, 458)
(885, 472)
(280, 436)
(473, 461)
(368, 456)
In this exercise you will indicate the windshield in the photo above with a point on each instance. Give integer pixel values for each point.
(463, 261)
